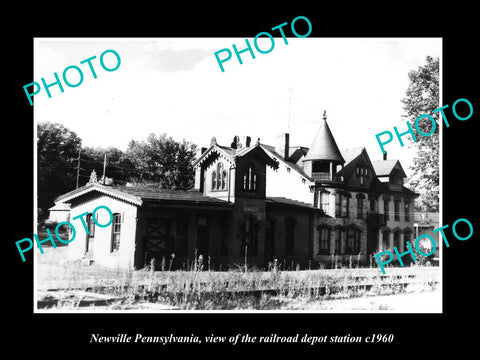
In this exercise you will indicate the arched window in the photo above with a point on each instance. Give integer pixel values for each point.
(396, 208)
(219, 175)
(360, 198)
(342, 205)
(116, 227)
(214, 180)
(386, 206)
(219, 178)
(396, 239)
(353, 241)
(337, 240)
(224, 180)
(323, 240)
(386, 240)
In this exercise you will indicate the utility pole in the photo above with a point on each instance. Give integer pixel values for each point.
(78, 165)
(104, 167)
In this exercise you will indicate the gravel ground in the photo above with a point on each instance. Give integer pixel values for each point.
(423, 302)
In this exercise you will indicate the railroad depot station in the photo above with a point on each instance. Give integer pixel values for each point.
(254, 202)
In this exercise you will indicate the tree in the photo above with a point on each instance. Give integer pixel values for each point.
(93, 178)
(57, 161)
(163, 161)
(422, 97)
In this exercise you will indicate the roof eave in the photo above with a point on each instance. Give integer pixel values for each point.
(102, 189)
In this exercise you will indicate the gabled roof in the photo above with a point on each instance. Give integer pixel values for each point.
(231, 154)
(271, 150)
(138, 195)
(107, 190)
(385, 167)
(351, 154)
(223, 151)
(324, 146)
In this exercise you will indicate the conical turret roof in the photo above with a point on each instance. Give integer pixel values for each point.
(324, 146)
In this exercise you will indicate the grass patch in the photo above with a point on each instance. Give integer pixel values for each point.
(235, 289)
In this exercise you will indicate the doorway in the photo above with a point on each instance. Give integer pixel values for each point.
(90, 237)
(157, 242)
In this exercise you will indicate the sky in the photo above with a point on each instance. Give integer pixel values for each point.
(175, 86)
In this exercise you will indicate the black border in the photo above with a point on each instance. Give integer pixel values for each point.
(432, 332)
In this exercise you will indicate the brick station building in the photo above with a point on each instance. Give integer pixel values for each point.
(253, 202)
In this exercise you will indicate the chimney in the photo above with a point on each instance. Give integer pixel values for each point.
(236, 142)
(200, 151)
(385, 155)
(248, 140)
(287, 145)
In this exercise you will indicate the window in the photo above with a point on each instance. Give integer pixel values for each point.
(396, 239)
(219, 175)
(344, 206)
(362, 174)
(353, 241)
(359, 208)
(341, 205)
(386, 240)
(407, 211)
(323, 241)
(224, 180)
(397, 210)
(289, 235)
(338, 202)
(249, 236)
(219, 178)
(407, 237)
(338, 241)
(91, 226)
(116, 227)
(214, 180)
(386, 207)
(250, 179)
(324, 201)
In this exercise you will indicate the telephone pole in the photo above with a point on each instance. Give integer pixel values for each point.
(78, 165)
(104, 167)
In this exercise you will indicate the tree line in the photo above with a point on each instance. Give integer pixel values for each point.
(157, 161)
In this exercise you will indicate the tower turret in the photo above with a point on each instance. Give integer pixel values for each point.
(323, 160)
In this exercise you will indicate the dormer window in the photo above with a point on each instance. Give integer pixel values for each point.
(250, 179)
(219, 178)
(362, 174)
